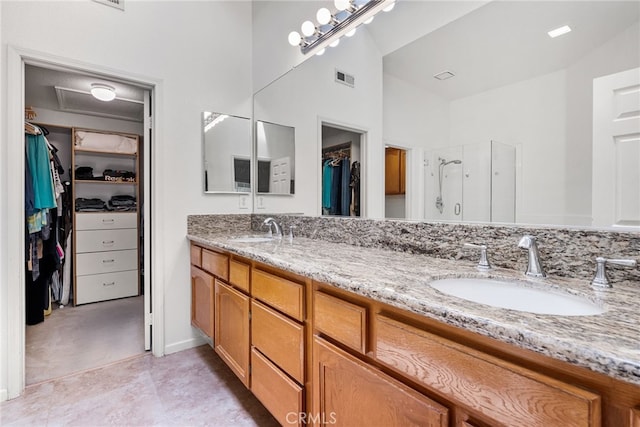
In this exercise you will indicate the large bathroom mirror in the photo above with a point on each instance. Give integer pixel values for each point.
(226, 149)
(276, 154)
(497, 116)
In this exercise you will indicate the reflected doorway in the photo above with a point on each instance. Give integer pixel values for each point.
(341, 166)
(395, 182)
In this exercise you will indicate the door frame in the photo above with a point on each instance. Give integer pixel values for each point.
(408, 177)
(16, 59)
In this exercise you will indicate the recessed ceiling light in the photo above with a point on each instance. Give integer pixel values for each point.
(444, 75)
(559, 31)
(103, 92)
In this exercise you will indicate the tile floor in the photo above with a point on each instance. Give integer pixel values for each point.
(74, 339)
(190, 388)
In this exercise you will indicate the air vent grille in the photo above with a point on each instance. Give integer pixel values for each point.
(118, 4)
(345, 79)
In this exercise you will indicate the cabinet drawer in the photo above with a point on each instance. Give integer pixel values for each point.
(100, 287)
(106, 262)
(106, 240)
(278, 292)
(281, 396)
(504, 392)
(239, 274)
(196, 255)
(341, 320)
(215, 263)
(106, 221)
(279, 338)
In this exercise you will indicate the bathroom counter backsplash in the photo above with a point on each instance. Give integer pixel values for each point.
(608, 343)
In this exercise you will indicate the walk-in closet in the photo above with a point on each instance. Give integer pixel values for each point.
(341, 167)
(84, 239)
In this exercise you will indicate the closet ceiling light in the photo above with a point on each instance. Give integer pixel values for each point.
(331, 25)
(444, 75)
(103, 92)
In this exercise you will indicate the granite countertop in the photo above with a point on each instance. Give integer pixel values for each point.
(608, 343)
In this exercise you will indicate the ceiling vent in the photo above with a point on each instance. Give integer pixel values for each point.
(444, 75)
(118, 4)
(345, 79)
(82, 102)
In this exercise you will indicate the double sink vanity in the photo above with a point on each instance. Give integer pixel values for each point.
(324, 332)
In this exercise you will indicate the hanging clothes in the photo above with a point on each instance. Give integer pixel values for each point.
(326, 187)
(42, 197)
(355, 188)
(345, 190)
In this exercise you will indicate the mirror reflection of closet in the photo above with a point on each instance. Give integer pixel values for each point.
(395, 182)
(341, 171)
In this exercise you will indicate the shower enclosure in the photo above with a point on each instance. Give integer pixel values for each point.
(474, 182)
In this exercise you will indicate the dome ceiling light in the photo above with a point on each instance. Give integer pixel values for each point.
(103, 92)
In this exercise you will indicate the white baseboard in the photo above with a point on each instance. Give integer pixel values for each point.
(184, 345)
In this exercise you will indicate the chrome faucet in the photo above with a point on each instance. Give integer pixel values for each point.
(483, 263)
(600, 280)
(274, 227)
(534, 268)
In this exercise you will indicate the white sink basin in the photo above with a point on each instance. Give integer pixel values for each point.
(251, 239)
(517, 296)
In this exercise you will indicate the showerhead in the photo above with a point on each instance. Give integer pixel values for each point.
(444, 162)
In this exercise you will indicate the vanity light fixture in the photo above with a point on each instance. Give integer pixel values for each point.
(331, 26)
(103, 92)
(212, 119)
(559, 31)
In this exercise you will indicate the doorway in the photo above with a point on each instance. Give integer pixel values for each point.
(395, 182)
(342, 169)
(19, 61)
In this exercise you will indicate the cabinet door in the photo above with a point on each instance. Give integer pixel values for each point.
(348, 392)
(395, 171)
(635, 417)
(202, 288)
(232, 329)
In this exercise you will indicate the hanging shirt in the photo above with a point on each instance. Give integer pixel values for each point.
(40, 168)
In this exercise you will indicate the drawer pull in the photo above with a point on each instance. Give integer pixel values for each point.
(107, 242)
(106, 261)
(107, 221)
(109, 284)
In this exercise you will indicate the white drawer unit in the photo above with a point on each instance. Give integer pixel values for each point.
(106, 221)
(106, 262)
(100, 287)
(106, 240)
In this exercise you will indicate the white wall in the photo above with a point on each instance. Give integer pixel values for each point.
(201, 54)
(308, 95)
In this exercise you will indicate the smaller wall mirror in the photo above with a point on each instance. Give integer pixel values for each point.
(276, 158)
(226, 145)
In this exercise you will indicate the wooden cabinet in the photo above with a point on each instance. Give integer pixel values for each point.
(282, 294)
(395, 161)
(282, 396)
(340, 320)
(348, 392)
(279, 338)
(634, 416)
(202, 293)
(232, 329)
(216, 264)
(497, 390)
(106, 232)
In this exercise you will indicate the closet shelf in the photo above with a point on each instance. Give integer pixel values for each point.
(95, 181)
(101, 152)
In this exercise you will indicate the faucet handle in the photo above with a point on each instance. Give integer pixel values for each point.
(600, 280)
(291, 228)
(483, 263)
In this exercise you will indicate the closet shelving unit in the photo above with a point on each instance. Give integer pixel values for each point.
(106, 243)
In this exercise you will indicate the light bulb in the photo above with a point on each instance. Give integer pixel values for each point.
(103, 92)
(390, 7)
(294, 38)
(335, 43)
(320, 52)
(351, 32)
(323, 16)
(369, 20)
(342, 4)
(308, 28)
